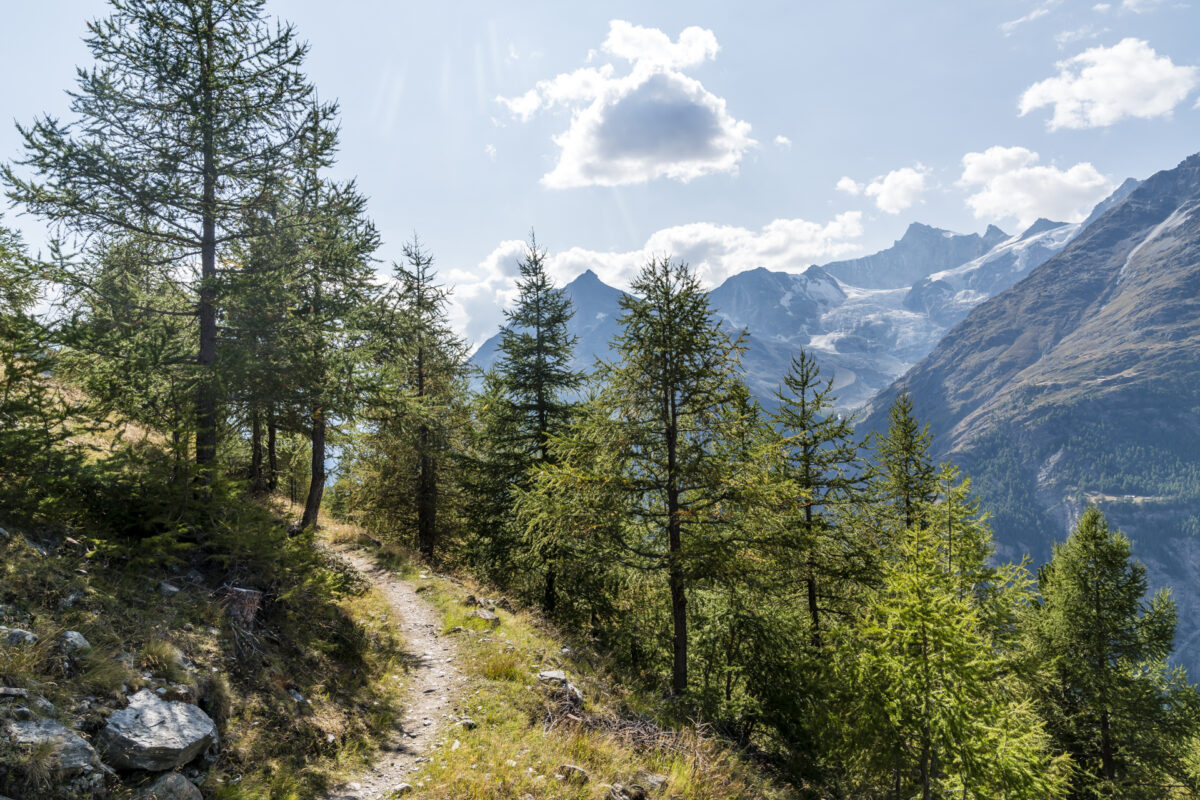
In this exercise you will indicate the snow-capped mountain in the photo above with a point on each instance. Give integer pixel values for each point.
(864, 334)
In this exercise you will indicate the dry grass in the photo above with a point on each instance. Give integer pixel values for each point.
(524, 734)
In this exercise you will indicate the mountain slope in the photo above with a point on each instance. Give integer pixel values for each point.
(1081, 383)
(921, 251)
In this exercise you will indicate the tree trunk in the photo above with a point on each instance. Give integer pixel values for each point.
(258, 484)
(316, 488)
(1106, 749)
(811, 581)
(550, 598)
(272, 453)
(206, 395)
(426, 502)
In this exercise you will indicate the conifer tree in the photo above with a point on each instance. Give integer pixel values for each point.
(822, 464)
(647, 473)
(192, 109)
(1125, 716)
(906, 472)
(535, 372)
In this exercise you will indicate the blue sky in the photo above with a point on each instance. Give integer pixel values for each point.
(718, 132)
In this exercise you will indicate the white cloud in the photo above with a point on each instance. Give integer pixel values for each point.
(1064, 38)
(713, 251)
(1103, 85)
(1008, 183)
(653, 122)
(893, 192)
(490, 151)
(480, 295)
(1012, 25)
(1140, 6)
(783, 142)
(849, 186)
(1102, 7)
(899, 189)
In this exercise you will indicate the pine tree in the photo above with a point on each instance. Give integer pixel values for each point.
(1126, 718)
(907, 474)
(821, 462)
(535, 373)
(193, 109)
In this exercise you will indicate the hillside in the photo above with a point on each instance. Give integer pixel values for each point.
(1081, 384)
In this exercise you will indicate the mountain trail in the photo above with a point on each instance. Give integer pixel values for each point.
(434, 681)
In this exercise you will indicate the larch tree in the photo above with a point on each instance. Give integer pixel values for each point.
(906, 473)
(535, 375)
(820, 460)
(193, 109)
(1126, 718)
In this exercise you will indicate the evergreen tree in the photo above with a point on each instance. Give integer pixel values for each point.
(906, 472)
(193, 109)
(535, 372)
(822, 465)
(649, 467)
(1126, 718)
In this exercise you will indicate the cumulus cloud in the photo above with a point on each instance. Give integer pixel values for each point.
(1103, 85)
(849, 186)
(653, 122)
(783, 142)
(713, 251)
(1008, 183)
(893, 192)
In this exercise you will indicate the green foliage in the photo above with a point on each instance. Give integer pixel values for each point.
(1110, 700)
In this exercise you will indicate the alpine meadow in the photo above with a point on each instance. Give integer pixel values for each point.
(598, 401)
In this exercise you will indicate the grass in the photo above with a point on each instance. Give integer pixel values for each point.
(320, 633)
(524, 735)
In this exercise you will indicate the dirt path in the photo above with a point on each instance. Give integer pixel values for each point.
(433, 684)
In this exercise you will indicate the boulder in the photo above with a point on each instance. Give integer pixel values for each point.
(555, 676)
(72, 754)
(155, 734)
(74, 642)
(487, 616)
(15, 637)
(171, 786)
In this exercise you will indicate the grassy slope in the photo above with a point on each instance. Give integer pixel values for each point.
(525, 733)
(328, 638)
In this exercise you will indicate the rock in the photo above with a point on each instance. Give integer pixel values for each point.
(74, 642)
(470, 600)
(487, 616)
(404, 788)
(651, 781)
(171, 786)
(468, 723)
(72, 598)
(573, 774)
(555, 676)
(21, 713)
(15, 637)
(72, 755)
(168, 589)
(5, 535)
(574, 696)
(156, 735)
(9, 692)
(299, 698)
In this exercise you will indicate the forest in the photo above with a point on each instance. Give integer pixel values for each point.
(210, 328)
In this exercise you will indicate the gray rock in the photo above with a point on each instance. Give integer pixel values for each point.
(72, 598)
(72, 754)
(574, 774)
(15, 637)
(22, 713)
(651, 781)
(156, 735)
(171, 786)
(167, 589)
(5, 535)
(74, 642)
(487, 616)
(43, 705)
(468, 723)
(7, 692)
(555, 676)
(404, 788)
